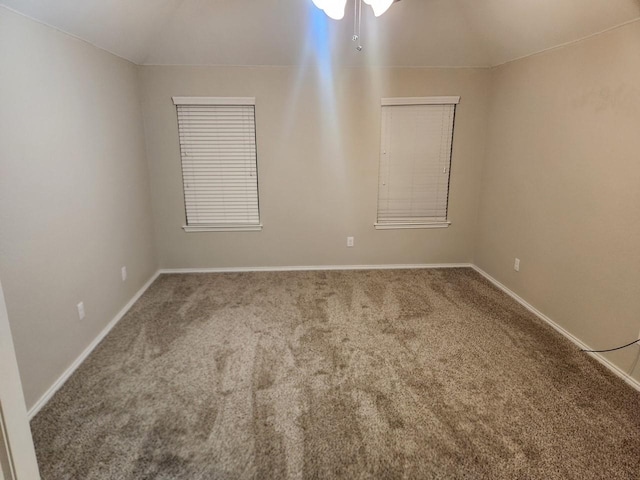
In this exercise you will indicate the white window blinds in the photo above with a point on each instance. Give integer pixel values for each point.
(219, 163)
(415, 159)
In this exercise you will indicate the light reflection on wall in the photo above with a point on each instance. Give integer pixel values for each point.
(317, 77)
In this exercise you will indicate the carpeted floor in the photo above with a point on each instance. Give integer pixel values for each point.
(364, 374)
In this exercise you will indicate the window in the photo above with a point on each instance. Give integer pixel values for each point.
(219, 163)
(415, 160)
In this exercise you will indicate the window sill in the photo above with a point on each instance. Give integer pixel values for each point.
(400, 226)
(222, 228)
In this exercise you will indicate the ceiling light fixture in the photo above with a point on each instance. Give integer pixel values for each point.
(379, 6)
(335, 9)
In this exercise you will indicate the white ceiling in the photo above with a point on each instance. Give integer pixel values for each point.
(287, 32)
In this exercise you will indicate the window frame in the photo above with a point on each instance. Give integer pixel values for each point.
(416, 101)
(219, 101)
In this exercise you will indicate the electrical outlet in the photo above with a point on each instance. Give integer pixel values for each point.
(349, 241)
(516, 265)
(81, 310)
(124, 273)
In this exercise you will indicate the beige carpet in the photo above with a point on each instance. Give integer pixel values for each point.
(365, 374)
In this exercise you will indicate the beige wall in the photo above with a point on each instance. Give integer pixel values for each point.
(561, 187)
(318, 136)
(74, 194)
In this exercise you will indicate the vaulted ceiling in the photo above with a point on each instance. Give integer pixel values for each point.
(286, 32)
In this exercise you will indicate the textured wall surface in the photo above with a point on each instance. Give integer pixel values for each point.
(74, 194)
(318, 140)
(560, 187)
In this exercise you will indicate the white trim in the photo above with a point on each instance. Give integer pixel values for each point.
(353, 67)
(214, 100)
(229, 228)
(296, 268)
(420, 101)
(82, 357)
(399, 226)
(6, 453)
(599, 357)
(72, 368)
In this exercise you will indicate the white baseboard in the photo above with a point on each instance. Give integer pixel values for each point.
(599, 357)
(295, 268)
(78, 361)
(42, 401)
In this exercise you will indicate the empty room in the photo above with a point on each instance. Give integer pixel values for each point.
(319, 239)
